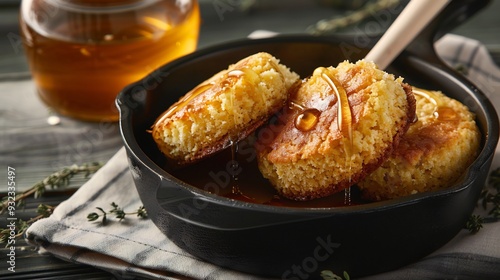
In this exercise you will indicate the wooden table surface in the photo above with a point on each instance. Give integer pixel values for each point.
(24, 117)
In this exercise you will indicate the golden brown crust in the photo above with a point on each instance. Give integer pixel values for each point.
(432, 154)
(224, 109)
(306, 165)
(401, 131)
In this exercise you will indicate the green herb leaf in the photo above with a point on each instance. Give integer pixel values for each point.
(92, 216)
(489, 200)
(474, 224)
(118, 212)
(55, 180)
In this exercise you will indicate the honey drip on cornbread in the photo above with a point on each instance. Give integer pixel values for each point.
(252, 77)
(197, 91)
(441, 111)
(184, 101)
(234, 165)
(344, 114)
(236, 73)
(232, 143)
(306, 119)
(344, 121)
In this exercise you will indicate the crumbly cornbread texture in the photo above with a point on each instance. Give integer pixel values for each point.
(226, 107)
(432, 155)
(310, 164)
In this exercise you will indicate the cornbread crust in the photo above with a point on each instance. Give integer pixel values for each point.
(312, 164)
(224, 109)
(432, 155)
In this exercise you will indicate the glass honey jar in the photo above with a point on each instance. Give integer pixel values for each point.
(82, 53)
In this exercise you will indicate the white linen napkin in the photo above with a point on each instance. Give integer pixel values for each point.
(136, 248)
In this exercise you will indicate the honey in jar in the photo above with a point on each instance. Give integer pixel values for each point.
(82, 53)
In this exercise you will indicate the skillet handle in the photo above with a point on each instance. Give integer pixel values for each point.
(454, 14)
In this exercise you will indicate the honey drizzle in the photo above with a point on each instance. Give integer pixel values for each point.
(347, 195)
(307, 119)
(236, 73)
(344, 123)
(200, 89)
(441, 111)
(344, 114)
(232, 143)
(234, 166)
(427, 95)
(252, 77)
(184, 101)
(294, 105)
(233, 139)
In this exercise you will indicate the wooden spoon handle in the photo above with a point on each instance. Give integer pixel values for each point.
(415, 16)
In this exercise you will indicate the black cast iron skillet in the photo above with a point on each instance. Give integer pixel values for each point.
(293, 243)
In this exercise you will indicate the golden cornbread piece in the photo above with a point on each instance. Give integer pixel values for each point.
(432, 155)
(341, 123)
(223, 109)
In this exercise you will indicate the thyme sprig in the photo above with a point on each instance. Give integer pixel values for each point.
(6, 236)
(474, 223)
(337, 23)
(55, 180)
(117, 211)
(490, 201)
